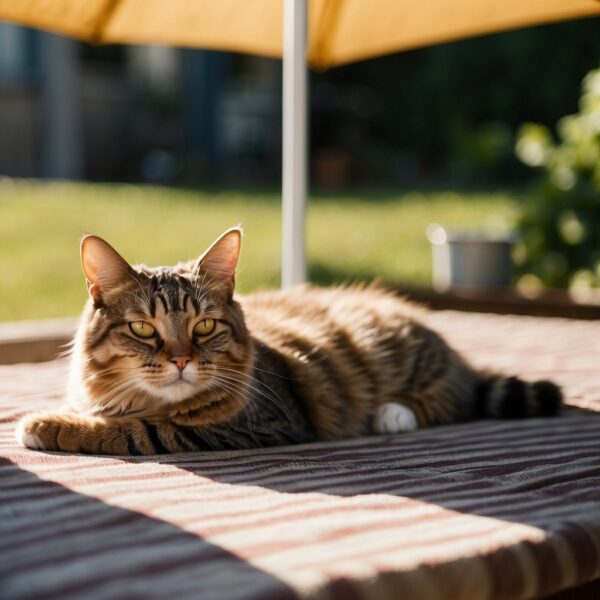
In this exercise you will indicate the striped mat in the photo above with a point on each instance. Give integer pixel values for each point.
(478, 511)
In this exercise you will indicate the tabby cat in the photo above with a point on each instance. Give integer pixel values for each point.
(167, 359)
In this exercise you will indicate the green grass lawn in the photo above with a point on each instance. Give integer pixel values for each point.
(351, 236)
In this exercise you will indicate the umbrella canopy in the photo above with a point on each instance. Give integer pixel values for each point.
(323, 33)
(339, 31)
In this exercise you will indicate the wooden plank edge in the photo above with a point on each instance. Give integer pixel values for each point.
(35, 341)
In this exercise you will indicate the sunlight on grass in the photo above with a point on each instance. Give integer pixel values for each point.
(350, 237)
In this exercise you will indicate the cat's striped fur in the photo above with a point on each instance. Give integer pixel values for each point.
(277, 367)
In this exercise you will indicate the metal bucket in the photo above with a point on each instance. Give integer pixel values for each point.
(469, 260)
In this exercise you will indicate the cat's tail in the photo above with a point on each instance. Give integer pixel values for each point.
(502, 397)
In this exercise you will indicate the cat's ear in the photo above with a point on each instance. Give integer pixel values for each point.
(103, 266)
(220, 261)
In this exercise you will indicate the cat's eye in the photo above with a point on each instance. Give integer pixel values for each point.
(142, 329)
(204, 327)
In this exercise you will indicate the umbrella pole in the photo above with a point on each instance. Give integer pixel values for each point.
(294, 142)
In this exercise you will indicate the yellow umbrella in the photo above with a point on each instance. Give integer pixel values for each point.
(339, 31)
(325, 33)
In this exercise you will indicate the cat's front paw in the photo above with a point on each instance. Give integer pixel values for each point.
(39, 432)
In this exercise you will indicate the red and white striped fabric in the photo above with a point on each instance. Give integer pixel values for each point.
(485, 510)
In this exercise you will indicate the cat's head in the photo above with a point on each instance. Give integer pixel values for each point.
(153, 339)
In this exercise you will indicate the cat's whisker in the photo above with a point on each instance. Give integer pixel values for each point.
(255, 368)
(233, 386)
(110, 402)
(93, 377)
(120, 405)
(69, 348)
(249, 409)
(273, 398)
(145, 294)
(202, 285)
(115, 395)
(235, 389)
(241, 386)
(115, 369)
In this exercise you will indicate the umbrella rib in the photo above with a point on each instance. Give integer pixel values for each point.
(104, 16)
(326, 24)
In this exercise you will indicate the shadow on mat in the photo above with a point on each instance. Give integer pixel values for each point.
(57, 543)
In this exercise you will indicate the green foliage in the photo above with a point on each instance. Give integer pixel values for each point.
(484, 150)
(443, 113)
(560, 222)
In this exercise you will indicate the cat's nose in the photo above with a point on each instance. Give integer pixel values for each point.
(181, 361)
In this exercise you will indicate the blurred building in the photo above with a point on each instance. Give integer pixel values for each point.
(446, 114)
(132, 112)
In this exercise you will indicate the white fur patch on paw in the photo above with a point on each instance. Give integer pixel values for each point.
(30, 440)
(394, 418)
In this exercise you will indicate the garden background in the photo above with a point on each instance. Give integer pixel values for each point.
(176, 145)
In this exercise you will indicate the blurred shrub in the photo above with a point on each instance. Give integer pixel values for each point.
(447, 113)
(560, 221)
(482, 153)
